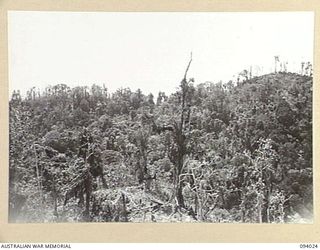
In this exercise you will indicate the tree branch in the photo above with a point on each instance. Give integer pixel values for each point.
(185, 74)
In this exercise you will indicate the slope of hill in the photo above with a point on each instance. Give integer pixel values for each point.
(211, 152)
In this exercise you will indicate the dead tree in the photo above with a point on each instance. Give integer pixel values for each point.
(276, 61)
(180, 135)
(178, 130)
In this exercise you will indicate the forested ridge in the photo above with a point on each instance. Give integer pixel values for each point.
(210, 152)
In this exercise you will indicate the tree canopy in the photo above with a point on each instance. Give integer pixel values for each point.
(212, 152)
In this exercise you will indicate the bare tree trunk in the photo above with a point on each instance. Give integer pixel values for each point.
(242, 205)
(242, 215)
(200, 208)
(55, 200)
(55, 203)
(268, 205)
(259, 207)
(179, 167)
(38, 178)
(87, 210)
(124, 209)
(181, 138)
(179, 196)
(88, 189)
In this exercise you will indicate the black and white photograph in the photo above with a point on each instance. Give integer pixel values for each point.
(152, 117)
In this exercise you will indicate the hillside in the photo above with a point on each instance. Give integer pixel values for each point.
(212, 152)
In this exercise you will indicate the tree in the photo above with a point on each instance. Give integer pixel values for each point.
(180, 130)
(276, 60)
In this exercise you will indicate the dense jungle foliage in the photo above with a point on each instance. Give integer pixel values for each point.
(211, 152)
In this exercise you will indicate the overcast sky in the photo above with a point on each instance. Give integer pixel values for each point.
(150, 51)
